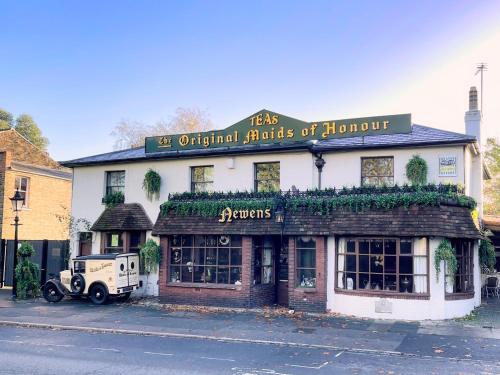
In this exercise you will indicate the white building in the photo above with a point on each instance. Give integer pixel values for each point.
(365, 252)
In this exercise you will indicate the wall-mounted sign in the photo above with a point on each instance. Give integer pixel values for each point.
(228, 214)
(447, 166)
(269, 127)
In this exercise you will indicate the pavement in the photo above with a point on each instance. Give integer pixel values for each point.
(457, 340)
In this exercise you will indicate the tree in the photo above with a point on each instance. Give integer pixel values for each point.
(492, 187)
(6, 119)
(129, 134)
(27, 127)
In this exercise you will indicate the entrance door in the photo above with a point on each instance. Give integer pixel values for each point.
(85, 243)
(282, 262)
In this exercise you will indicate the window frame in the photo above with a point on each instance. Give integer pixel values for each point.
(109, 189)
(398, 255)
(255, 174)
(297, 268)
(378, 176)
(195, 183)
(191, 248)
(25, 193)
(465, 262)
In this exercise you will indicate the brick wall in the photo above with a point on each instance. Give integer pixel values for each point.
(308, 299)
(2, 184)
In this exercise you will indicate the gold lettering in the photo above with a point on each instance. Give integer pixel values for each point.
(229, 138)
(342, 128)
(260, 214)
(220, 139)
(184, 140)
(386, 124)
(281, 133)
(252, 135)
(206, 141)
(267, 119)
(330, 129)
(353, 128)
(304, 132)
(375, 125)
(275, 119)
(235, 214)
(289, 133)
(258, 119)
(252, 120)
(252, 214)
(265, 135)
(364, 126)
(267, 212)
(226, 215)
(313, 128)
(243, 214)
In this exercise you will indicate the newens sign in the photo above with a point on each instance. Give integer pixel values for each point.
(269, 127)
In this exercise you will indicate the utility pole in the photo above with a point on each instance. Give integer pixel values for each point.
(481, 67)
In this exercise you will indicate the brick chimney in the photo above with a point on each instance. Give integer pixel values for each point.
(473, 117)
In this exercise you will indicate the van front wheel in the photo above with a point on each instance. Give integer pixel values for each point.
(98, 294)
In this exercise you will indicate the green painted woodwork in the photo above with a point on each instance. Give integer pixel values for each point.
(266, 127)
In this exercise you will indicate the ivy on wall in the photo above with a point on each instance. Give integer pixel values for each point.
(321, 202)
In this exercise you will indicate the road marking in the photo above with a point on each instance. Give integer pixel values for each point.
(311, 367)
(154, 353)
(338, 354)
(107, 350)
(219, 359)
(12, 342)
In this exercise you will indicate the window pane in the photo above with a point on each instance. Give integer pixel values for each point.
(405, 264)
(306, 258)
(351, 263)
(350, 281)
(390, 247)
(235, 275)
(199, 274)
(175, 255)
(199, 255)
(306, 278)
(390, 283)
(390, 264)
(187, 274)
(175, 273)
(187, 256)
(405, 284)
(351, 246)
(210, 274)
(364, 247)
(236, 257)
(136, 239)
(306, 242)
(405, 247)
(267, 176)
(376, 247)
(364, 263)
(223, 275)
(223, 256)
(377, 171)
(211, 257)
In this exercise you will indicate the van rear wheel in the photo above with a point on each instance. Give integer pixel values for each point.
(98, 294)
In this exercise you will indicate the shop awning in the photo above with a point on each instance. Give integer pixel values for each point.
(423, 221)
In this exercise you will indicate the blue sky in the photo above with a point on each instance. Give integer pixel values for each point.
(80, 67)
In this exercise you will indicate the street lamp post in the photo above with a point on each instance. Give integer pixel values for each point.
(17, 203)
(320, 163)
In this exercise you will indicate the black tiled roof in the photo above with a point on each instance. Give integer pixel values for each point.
(419, 136)
(124, 216)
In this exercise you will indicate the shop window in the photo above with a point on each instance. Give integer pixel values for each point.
(22, 184)
(267, 176)
(306, 262)
(378, 171)
(263, 249)
(115, 182)
(464, 278)
(382, 264)
(205, 259)
(113, 242)
(202, 179)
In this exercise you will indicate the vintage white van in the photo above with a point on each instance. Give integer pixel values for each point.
(96, 276)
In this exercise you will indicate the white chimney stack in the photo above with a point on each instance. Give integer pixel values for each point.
(473, 117)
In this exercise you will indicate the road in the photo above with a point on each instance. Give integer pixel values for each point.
(40, 351)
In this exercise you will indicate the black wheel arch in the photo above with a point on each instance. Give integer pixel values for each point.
(59, 286)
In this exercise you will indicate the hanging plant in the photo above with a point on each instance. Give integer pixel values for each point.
(152, 184)
(113, 199)
(416, 170)
(487, 257)
(150, 256)
(27, 273)
(446, 252)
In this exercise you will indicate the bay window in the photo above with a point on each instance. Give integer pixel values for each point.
(463, 282)
(395, 265)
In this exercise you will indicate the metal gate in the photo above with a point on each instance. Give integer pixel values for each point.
(49, 255)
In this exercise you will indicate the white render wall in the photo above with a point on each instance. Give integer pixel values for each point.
(435, 308)
(344, 168)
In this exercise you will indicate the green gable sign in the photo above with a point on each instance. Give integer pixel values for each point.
(266, 127)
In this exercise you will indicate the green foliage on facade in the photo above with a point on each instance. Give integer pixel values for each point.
(447, 253)
(152, 184)
(487, 257)
(492, 186)
(416, 171)
(28, 128)
(150, 256)
(113, 199)
(27, 273)
(321, 202)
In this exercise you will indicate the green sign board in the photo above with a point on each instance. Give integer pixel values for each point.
(266, 127)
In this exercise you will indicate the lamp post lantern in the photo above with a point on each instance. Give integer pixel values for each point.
(320, 163)
(17, 203)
